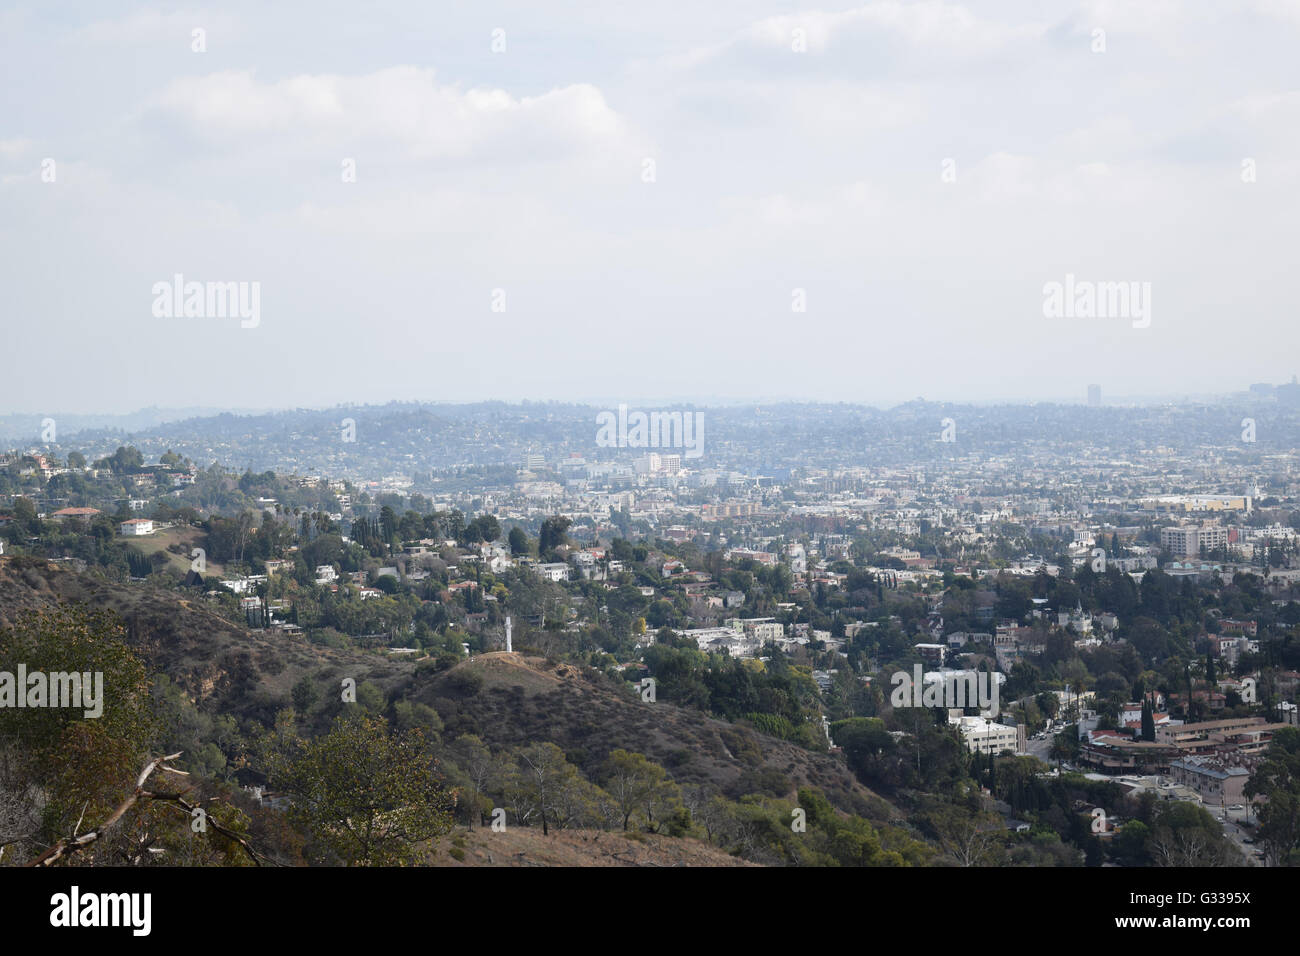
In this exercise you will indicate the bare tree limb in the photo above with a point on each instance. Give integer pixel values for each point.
(69, 845)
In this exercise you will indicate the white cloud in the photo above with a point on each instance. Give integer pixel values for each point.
(401, 107)
(774, 170)
(930, 26)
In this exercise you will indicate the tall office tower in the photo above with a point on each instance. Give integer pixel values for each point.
(1094, 396)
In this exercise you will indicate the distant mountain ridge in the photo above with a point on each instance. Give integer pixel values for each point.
(410, 438)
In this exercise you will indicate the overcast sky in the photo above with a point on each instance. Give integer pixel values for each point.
(793, 148)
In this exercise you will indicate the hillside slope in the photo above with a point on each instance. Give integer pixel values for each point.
(222, 667)
(508, 699)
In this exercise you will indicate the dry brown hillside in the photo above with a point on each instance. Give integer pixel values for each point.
(222, 666)
(508, 699)
(526, 846)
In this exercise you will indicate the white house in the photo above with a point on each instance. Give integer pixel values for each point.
(136, 527)
(557, 571)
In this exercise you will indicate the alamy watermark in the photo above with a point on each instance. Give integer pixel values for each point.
(1084, 299)
(626, 429)
(179, 299)
(956, 689)
(59, 689)
(129, 910)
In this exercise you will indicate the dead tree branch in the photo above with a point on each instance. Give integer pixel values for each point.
(70, 845)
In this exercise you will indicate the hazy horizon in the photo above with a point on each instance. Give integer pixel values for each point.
(701, 401)
(168, 414)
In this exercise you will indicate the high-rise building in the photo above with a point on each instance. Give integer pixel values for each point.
(1094, 396)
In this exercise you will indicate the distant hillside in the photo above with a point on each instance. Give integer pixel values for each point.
(415, 438)
(27, 428)
(508, 699)
(223, 667)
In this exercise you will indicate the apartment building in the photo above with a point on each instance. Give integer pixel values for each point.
(760, 629)
(988, 737)
(1116, 754)
(1206, 730)
(1188, 540)
(1214, 781)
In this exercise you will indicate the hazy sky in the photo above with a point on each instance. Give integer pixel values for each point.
(792, 148)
